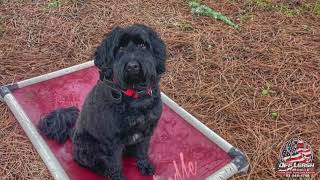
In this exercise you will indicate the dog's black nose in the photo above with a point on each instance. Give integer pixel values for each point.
(133, 67)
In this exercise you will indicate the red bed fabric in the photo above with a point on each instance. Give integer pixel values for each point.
(178, 150)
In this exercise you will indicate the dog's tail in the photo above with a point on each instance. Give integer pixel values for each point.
(58, 124)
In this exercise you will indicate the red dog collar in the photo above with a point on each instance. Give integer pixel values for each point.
(132, 92)
(136, 95)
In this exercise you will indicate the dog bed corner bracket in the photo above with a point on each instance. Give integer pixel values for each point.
(240, 160)
(4, 90)
(7, 89)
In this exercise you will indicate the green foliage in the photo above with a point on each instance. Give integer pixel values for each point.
(274, 115)
(54, 4)
(204, 10)
(184, 26)
(2, 31)
(246, 16)
(261, 3)
(266, 91)
(3, 1)
(287, 11)
(318, 155)
(316, 9)
(280, 7)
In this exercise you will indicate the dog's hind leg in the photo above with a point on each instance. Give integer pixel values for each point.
(105, 160)
(109, 166)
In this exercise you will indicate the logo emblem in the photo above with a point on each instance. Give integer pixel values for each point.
(296, 159)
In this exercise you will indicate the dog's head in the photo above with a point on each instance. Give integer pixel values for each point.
(130, 56)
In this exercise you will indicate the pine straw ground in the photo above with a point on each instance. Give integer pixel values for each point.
(214, 71)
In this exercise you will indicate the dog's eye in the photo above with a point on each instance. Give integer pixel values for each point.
(143, 46)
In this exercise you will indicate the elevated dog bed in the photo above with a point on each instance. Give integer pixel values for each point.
(181, 148)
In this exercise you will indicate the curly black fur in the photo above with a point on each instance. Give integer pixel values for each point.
(58, 124)
(110, 123)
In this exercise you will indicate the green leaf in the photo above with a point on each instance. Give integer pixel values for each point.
(316, 9)
(54, 4)
(268, 84)
(274, 115)
(265, 92)
(204, 10)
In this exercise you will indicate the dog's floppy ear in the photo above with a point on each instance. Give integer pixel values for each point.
(104, 54)
(159, 51)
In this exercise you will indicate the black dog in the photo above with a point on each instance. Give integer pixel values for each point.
(122, 110)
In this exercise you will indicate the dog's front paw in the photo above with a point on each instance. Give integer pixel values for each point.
(145, 167)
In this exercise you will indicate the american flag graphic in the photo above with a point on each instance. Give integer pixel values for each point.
(296, 150)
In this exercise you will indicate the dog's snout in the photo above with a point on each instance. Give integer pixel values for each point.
(133, 67)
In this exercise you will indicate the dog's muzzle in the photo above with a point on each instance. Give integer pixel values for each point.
(133, 68)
